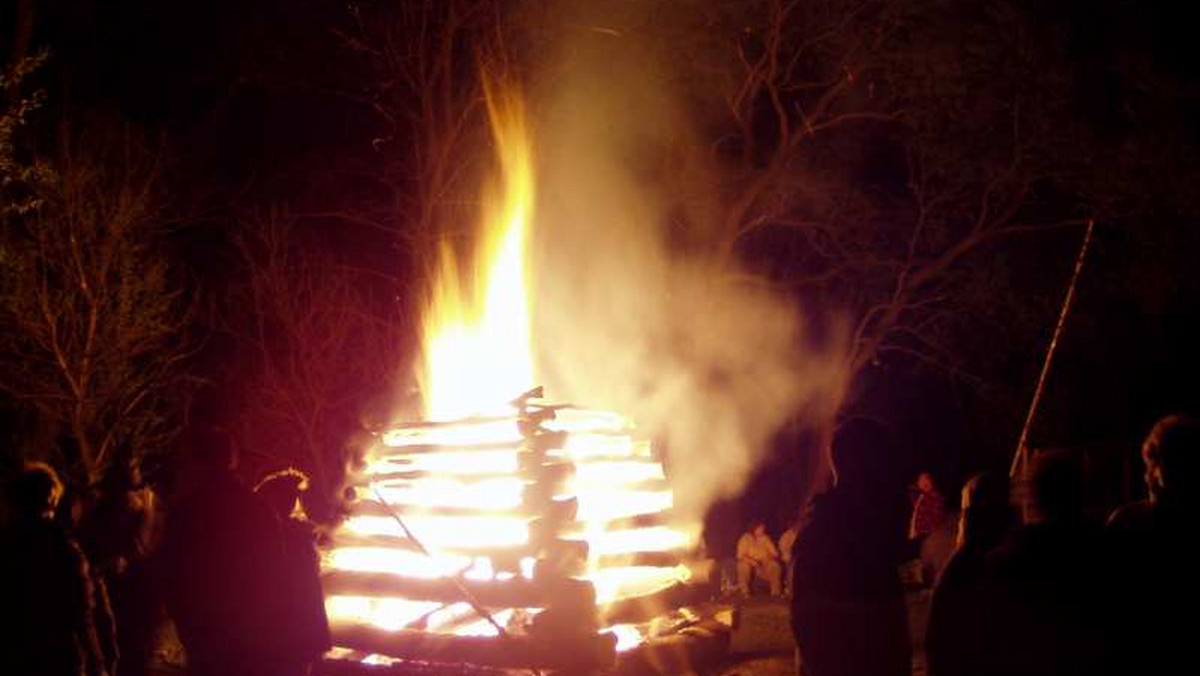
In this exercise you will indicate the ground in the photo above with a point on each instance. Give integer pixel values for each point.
(762, 644)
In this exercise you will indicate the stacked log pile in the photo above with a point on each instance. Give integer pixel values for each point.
(542, 539)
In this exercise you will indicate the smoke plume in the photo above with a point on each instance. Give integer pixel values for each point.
(632, 312)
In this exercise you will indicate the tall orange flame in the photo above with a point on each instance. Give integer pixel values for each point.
(478, 352)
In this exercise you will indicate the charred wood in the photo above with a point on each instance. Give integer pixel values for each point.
(583, 652)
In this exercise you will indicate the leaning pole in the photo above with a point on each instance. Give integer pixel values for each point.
(1021, 457)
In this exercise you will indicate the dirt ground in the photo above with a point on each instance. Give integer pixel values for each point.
(762, 643)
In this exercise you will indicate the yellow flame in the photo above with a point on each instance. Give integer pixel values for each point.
(476, 332)
(628, 636)
(459, 482)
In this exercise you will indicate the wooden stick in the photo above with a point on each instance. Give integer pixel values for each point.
(1020, 458)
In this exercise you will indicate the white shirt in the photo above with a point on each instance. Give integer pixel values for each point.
(756, 548)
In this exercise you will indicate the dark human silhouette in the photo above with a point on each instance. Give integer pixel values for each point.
(307, 626)
(1049, 602)
(221, 553)
(848, 611)
(722, 527)
(48, 597)
(119, 535)
(787, 543)
(956, 643)
(1157, 565)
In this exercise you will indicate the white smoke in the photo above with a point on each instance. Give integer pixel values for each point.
(631, 313)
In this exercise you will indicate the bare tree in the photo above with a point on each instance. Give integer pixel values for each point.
(21, 174)
(877, 158)
(423, 62)
(93, 315)
(317, 346)
(886, 156)
(873, 156)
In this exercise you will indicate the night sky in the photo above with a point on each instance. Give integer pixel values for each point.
(248, 95)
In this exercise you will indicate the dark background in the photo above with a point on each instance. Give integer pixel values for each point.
(245, 92)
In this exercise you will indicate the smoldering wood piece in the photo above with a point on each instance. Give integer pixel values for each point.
(344, 539)
(350, 663)
(670, 557)
(512, 444)
(690, 650)
(376, 508)
(631, 558)
(517, 592)
(401, 476)
(647, 520)
(548, 469)
(643, 608)
(584, 652)
(557, 518)
(545, 481)
(422, 425)
(546, 441)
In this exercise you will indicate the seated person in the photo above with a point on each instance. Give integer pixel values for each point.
(756, 554)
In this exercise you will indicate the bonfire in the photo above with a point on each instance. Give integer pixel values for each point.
(504, 530)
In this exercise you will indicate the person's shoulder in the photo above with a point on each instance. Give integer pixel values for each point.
(1010, 553)
(1132, 517)
(299, 530)
(62, 547)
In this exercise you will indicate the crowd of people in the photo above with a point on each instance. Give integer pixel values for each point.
(235, 569)
(1034, 585)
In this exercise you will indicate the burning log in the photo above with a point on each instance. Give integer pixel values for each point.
(584, 653)
(635, 609)
(683, 652)
(516, 592)
(511, 526)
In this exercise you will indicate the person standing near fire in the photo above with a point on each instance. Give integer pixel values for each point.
(47, 591)
(757, 555)
(929, 507)
(928, 530)
(219, 565)
(308, 636)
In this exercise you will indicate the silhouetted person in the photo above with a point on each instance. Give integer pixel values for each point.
(221, 553)
(307, 626)
(48, 597)
(119, 535)
(722, 526)
(1049, 601)
(787, 544)
(848, 612)
(960, 615)
(1157, 564)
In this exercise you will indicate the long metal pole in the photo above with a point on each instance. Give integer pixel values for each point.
(1021, 456)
